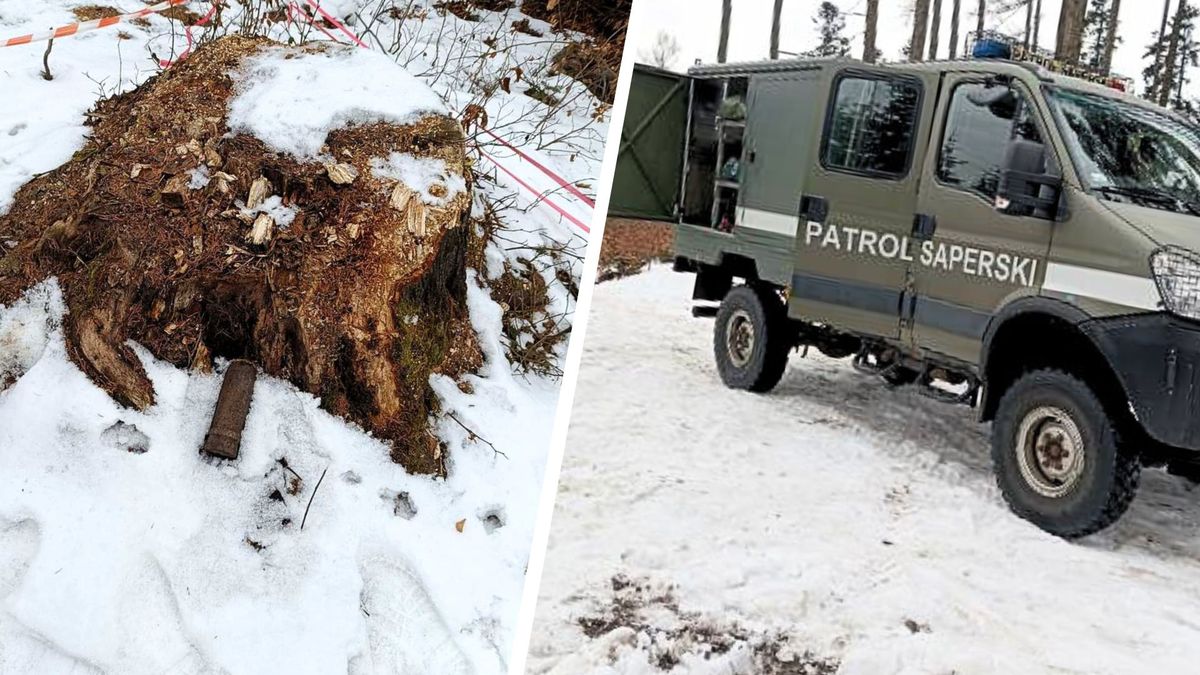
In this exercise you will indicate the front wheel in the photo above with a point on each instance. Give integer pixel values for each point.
(1058, 458)
(751, 339)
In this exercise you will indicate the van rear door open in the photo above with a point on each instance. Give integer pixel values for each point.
(650, 162)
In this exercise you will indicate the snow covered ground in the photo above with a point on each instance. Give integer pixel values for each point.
(833, 516)
(122, 550)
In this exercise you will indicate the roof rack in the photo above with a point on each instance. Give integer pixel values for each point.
(994, 45)
(749, 67)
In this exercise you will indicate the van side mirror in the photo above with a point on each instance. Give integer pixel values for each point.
(1025, 187)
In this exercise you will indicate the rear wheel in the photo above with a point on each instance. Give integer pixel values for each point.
(751, 339)
(1058, 458)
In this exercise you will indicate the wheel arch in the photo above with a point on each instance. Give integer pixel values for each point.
(1038, 332)
(714, 281)
(738, 265)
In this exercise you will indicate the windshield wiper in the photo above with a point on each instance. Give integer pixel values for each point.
(1153, 195)
(1149, 194)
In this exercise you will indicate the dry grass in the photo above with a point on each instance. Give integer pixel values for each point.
(630, 245)
(93, 12)
(181, 14)
(595, 63)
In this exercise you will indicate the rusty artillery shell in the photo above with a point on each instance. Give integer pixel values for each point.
(224, 437)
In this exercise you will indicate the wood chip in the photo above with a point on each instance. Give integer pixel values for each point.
(341, 173)
(174, 193)
(192, 146)
(223, 180)
(260, 231)
(211, 156)
(417, 216)
(260, 189)
(416, 213)
(401, 197)
(137, 170)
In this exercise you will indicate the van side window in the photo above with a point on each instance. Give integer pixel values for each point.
(870, 128)
(980, 122)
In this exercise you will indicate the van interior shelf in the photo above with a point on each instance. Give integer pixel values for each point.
(715, 149)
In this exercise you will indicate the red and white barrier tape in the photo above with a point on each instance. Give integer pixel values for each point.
(331, 19)
(569, 187)
(167, 63)
(85, 26)
(295, 14)
(541, 196)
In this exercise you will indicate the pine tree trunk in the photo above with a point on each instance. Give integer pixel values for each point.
(934, 29)
(954, 28)
(916, 51)
(1110, 40)
(980, 14)
(1168, 65)
(1157, 71)
(1037, 23)
(1028, 22)
(723, 47)
(1181, 79)
(869, 54)
(1069, 40)
(775, 29)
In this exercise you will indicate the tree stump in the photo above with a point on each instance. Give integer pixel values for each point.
(155, 233)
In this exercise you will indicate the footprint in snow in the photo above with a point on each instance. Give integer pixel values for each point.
(492, 519)
(127, 437)
(402, 503)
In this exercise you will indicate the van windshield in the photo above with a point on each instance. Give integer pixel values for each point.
(1130, 153)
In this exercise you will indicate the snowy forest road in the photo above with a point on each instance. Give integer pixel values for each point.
(863, 522)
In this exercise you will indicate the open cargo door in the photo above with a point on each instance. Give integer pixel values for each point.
(650, 160)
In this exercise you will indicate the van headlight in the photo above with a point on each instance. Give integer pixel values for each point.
(1177, 273)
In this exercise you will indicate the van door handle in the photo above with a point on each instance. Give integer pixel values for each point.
(924, 225)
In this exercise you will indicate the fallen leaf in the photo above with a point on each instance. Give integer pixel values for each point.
(460, 525)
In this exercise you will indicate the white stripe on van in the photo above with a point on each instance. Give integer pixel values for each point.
(1121, 289)
(768, 221)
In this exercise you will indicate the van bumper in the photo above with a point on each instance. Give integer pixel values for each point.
(1157, 359)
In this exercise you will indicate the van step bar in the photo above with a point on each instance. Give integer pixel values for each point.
(899, 372)
(862, 362)
(967, 397)
(705, 311)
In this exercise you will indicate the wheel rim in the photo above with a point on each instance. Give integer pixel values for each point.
(739, 338)
(1050, 451)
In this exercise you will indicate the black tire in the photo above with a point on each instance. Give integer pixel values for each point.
(1099, 483)
(763, 362)
(900, 376)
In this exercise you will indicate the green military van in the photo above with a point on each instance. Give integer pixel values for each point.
(994, 233)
